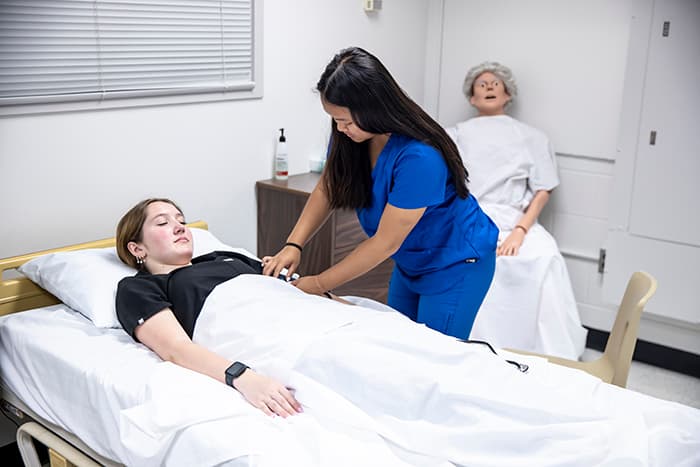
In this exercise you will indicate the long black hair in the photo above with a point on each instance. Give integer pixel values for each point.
(356, 79)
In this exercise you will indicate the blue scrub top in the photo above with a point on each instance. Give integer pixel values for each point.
(452, 233)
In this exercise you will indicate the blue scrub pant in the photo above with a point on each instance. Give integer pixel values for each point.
(453, 311)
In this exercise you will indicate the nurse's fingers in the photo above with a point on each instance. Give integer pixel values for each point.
(278, 270)
(268, 268)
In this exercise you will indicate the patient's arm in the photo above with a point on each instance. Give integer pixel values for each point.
(163, 334)
(511, 245)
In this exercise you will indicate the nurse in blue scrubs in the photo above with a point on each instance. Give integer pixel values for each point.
(396, 166)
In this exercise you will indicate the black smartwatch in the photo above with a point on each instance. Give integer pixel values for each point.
(234, 371)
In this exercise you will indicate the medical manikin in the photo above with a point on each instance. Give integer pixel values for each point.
(512, 168)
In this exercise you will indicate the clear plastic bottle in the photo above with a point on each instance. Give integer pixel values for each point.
(281, 159)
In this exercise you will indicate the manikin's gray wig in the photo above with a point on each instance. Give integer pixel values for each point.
(501, 71)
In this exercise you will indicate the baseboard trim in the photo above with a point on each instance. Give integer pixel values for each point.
(654, 354)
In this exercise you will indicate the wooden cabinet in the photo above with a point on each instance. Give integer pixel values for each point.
(279, 205)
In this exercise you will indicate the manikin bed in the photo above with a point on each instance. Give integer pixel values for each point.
(118, 403)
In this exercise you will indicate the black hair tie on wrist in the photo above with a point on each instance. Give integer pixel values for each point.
(295, 245)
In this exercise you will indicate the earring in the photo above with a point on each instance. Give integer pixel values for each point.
(139, 260)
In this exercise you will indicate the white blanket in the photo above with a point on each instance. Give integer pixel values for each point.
(378, 389)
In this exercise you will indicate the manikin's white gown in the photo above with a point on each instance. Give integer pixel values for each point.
(530, 304)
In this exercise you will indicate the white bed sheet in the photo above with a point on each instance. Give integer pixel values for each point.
(74, 374)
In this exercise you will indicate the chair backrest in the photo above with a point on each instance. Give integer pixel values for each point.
(623, 337)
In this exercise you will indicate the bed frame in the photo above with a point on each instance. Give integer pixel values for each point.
(20, 294)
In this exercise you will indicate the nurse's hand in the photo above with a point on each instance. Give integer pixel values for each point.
(267, 394)
(511, 245)
(310, 284)
(288, 257)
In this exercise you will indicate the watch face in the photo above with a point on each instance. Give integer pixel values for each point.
(234, 371)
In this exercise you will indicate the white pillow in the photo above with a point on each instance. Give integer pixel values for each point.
(86, 280)
(205, 242)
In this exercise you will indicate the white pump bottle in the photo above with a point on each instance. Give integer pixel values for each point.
(281, 159)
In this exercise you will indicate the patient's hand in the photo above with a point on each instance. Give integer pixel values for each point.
(267, 394)
(511, 245)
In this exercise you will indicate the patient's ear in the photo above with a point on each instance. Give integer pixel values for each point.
(135, 249)
(472, 100)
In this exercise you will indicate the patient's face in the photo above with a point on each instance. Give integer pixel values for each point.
(490, 96)
(345, 123)
(166, 239)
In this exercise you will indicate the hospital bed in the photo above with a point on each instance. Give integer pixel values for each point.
(78, 388)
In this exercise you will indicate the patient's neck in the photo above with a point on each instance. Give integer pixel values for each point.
(491, 112)
(159, 268)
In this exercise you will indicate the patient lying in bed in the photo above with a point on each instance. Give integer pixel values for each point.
(432, 398)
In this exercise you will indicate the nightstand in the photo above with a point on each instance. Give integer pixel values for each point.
(279, 205)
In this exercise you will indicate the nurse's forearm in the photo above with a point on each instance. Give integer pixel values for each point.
(394, 226)
(368, 255)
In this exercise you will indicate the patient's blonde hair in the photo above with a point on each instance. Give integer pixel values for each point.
(501, 71)
(130, 229)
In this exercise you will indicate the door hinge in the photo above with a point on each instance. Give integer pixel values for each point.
(652, 138)
(601, 260)
(667, 28)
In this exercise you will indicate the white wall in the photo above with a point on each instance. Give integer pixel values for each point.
(68, 177)
(568, 59)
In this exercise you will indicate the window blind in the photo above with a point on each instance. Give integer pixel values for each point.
(76, 50)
